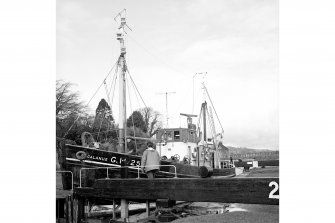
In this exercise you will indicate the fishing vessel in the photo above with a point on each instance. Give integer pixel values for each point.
(185, 152)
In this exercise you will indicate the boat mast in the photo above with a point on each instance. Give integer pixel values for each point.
(122, 81)
(204, 109)
(166, 106)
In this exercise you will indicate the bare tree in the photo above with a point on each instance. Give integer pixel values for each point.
(151, 119)
(68, 107)
(67, 102)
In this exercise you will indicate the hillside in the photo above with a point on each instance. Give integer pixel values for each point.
(244, 150)
(257, 154)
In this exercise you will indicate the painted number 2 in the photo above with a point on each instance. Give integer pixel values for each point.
(271, 195)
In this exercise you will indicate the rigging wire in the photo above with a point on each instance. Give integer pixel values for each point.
(199, 121)
(154, 56)
(90, 99)
(136, 88)
(111, 130)
(117, 68)
(108, 98)
(213, 107)
(106, 135)
(102, 119)
(114, 76)
(136, 94)
(161, 60)
(110, 107)
(103, 82)
(108, 92)
(213, 123)
(132, 114)
(138, 101)
(212, 128)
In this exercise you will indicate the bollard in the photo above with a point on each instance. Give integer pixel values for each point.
(124, 202)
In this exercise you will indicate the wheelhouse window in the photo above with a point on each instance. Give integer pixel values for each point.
(176, 135)
(192, 136)
(168, 136)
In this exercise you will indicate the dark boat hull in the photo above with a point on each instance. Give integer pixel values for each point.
(74, 158)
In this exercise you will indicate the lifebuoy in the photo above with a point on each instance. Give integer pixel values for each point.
(81, 155)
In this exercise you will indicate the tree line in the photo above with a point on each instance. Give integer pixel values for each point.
(73, 119)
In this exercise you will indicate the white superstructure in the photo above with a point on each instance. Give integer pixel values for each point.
(177, 144)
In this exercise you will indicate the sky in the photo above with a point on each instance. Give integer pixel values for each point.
(235, 42)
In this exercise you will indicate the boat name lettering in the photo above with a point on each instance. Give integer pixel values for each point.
(135, 163)
(119, 160)
(97, 158)
(113, 159)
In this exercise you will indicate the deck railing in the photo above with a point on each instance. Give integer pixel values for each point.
(67, 171)
(116, 167)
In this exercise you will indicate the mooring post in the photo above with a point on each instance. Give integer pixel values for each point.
(81, 210)
(124, 209)
(65, 209)
(124, 202)
(78, 210)
(75, 211)
(148, 208)
(69, 209)
(87, 209)
(114, 216)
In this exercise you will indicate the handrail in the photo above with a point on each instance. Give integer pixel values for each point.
(92, 168)
(67, 171)
(175, 169)
(137, 167)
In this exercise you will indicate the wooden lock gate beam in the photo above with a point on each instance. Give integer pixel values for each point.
(229, 190)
